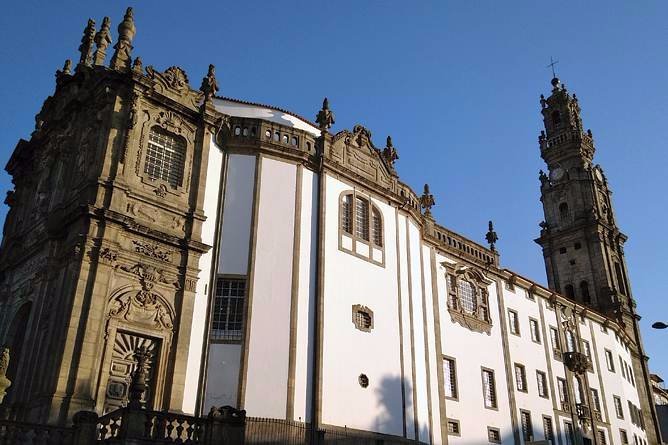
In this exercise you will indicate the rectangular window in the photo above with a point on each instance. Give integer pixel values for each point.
(535, 333)
(450, 375)
(520, 377)
(489, 388)
(619, 410)
(623, 368)
(609, 360)
(228, 309)
(602, 439)
(563, 393)
(570, 341)
(514, 322)
(165, 157)
(527, 427)
(453, 427)
(493, 435)
(569, 433)
(556, 344)
(347, 214)
(586, 349)
(541, 379)
(548, 429)
(624, 437)
(595, 400)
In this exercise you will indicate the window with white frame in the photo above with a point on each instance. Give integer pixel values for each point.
(450, 375)
(541, 380)
(595, 400)
(489, 388)
(619, 410)
(513, 322)
(535, 332)
(609, 360)
(227, 318)
(520, 377)
(165, 157)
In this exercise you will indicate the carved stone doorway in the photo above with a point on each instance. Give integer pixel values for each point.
(122, 366)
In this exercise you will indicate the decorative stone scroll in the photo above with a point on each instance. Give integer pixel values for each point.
(143, 307)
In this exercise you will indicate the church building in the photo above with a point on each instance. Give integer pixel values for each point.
(270, 264)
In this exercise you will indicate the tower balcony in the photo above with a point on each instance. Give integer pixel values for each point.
(577, 362)
(566, 137)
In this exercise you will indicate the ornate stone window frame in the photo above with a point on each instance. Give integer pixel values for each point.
(349, 228)
(359, 308)
(172, 123)
(479, 320)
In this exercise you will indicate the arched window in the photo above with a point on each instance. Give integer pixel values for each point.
(563, 211)
(377, 227)
(361, 223)
(347, 214)
(362, 218)
(584, 292)
(165, 157)
(570, 291)
(556, 117)
(468, 301)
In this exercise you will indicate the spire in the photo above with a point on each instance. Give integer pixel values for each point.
(86, 47)
(325, 117)
(209, 84)
(491, 237)
(102, 41)
(126, 31)
(389, 152)
(427, 201)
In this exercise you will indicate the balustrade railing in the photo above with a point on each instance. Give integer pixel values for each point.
(13, 432)
(167, 427)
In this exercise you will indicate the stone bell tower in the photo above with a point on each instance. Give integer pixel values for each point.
(101, 245)
(582, 245)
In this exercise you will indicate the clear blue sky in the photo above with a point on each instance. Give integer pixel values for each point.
(456, 84)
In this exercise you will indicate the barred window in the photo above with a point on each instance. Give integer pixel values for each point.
(520, 377)
(541, 379)
(514, 322)
(569, 433)
(489, 388)
(363, 319)
(377, 228)
(556, 344)
(453, 427)
(467, 296)
(602, 439)
(535, 333)
(450, 375)
(493, 435)
(228, 309)
(362, 218)
(609, 360)
(619, 410)
(165, 157)
(527, 427)
(563, 391)
(595, 400)
(548, 430)
(347, 214)
(624, 437)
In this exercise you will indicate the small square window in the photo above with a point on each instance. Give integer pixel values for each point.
(453, 427)
(577, 246)
(562, 250)
(493, 435)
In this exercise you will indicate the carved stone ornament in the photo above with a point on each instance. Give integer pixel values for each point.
(143, 307)
(152, 250)
(577, 362)
(355, 151)
(427, 201)
(471, 310)
(107, 255)
(174, 82)
(362, 318)
(148, 275)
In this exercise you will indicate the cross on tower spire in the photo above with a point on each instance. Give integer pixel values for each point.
(551, 65)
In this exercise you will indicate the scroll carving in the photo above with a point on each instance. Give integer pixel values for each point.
(143, 307)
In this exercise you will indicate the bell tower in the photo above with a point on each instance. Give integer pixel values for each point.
(582, 245)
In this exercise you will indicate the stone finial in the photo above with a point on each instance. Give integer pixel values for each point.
(389, 152)
(137, 65)
(138, 384)
(491, 237)
(126, 31)
(102, 41)
(4, 365)
(87, 41)
(209, 84)
(427, 201)
(66, 71)
(325, 117)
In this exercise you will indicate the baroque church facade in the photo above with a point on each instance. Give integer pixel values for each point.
(269, 264)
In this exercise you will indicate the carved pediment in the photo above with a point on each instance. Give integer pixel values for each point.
(144, 307)
(356, 151)
(173, 82)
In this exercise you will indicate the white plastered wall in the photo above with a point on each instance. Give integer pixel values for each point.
(269, 340)
(224, 359)
(210, 207)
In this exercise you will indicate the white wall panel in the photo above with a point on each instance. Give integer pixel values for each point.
(210, 206)
(223, 376)
(269, 340)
